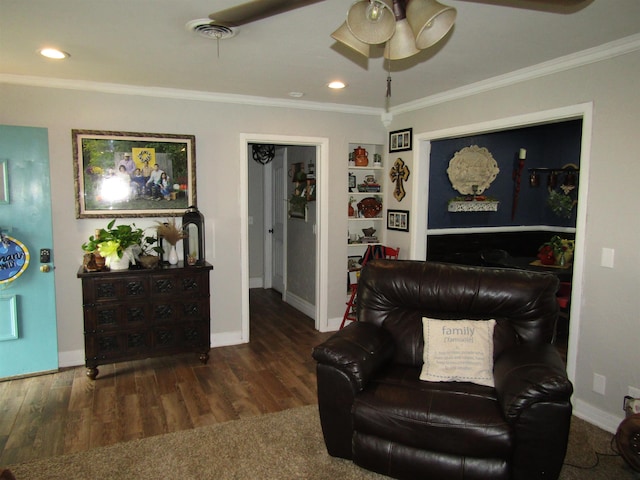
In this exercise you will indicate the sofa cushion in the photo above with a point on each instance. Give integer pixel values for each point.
(458, 351)
(464, 418)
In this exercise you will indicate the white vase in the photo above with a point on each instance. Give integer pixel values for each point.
(173, 255)
(116, 263)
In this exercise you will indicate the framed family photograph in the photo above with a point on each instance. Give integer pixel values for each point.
(130, 174)
(398, 220)
(400, 140)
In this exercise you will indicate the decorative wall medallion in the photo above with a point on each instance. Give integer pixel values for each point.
(472, 169)
(399, 173)
(14, 258)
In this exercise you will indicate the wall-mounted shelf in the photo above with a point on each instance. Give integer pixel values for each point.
(473, 206)
(554, 170)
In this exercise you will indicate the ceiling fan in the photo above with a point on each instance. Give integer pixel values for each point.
(404, 26)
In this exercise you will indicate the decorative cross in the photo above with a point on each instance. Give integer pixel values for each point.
(399, 173)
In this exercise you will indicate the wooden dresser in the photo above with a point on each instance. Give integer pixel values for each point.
(132, 314)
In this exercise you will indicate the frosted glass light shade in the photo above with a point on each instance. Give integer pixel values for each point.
(344, 35)
(430, 21)
(368, 31)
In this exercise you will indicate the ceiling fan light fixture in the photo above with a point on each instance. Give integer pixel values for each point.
(369, 27)
(344, 36)
(430, 21)
(402, 44)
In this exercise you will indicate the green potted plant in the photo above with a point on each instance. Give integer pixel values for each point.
(561, 204)
(119, 245)
(151, 252)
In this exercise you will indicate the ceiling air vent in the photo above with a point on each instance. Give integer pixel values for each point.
(209, 29)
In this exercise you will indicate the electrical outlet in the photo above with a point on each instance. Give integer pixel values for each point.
(607, 257)
(599, 383)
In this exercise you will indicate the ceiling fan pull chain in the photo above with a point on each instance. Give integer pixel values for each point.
(388, 78)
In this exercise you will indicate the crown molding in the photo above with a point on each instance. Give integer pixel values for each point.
(179, 94)
(585, 57)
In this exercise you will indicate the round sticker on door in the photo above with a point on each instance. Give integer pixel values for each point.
(14, 259)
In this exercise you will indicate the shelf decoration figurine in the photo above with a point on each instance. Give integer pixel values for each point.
(361, 157)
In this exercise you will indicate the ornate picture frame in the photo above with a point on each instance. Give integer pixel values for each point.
(401, 140)
(114, 174)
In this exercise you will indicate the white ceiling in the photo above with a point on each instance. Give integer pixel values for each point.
(146, 43)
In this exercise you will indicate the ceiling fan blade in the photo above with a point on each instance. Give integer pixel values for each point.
(552, 6)
(258, 9)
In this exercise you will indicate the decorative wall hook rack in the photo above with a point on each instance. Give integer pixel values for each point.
(570, 172)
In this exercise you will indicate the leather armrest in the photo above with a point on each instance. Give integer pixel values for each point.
(526, 375)
(357, 350)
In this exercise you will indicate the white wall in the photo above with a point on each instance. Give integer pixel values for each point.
(609, 324)
(217, 127)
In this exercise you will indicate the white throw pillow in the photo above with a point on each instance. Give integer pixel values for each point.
(458, 351)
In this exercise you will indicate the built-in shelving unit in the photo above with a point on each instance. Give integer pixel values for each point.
(365, 202)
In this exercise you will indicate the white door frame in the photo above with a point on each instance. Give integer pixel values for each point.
(268, 220)
(422, 150)
(268, 234)
(322, 227)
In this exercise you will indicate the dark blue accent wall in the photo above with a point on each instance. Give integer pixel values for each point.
(550, 145)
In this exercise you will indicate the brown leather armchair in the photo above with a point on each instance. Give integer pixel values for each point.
(375, 410)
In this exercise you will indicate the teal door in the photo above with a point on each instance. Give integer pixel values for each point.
(28, 333)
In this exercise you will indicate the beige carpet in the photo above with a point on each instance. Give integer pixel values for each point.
(284, 445)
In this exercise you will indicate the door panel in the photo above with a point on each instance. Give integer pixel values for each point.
(28, 302)
(279, 217)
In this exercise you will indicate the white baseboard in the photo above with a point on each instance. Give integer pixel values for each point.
(298, 303)
(595, 416)
(226, 339)
(71, 359)
(333, 324)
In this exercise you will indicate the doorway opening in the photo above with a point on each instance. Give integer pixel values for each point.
(420, 201)
(283, 246)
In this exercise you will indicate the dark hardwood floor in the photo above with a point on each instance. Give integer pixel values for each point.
(65, 412)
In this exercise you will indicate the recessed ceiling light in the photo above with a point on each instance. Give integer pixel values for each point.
(337, 85)
(54, 53)
(296, 94)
